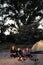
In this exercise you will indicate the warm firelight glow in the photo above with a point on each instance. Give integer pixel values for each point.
(20, 58)
(38, 46)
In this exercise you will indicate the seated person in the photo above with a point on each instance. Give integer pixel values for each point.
(13, 51)
(20, 53)
(28, 52)
(23, 52)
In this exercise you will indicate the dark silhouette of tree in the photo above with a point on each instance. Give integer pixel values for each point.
(26, 16)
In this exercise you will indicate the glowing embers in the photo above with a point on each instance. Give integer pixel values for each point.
(21, 59)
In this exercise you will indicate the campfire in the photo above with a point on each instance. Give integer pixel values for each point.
(20, 58)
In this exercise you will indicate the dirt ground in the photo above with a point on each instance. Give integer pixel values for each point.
(5, 59)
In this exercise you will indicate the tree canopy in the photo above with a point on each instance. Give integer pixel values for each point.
(23, 19)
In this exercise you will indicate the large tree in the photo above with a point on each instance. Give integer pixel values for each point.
(22, 18)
